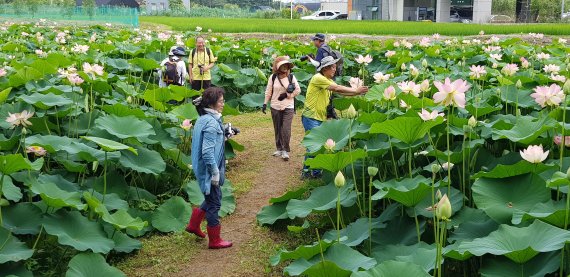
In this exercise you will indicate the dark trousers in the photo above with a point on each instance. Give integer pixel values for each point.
(309, 124)
(211, 205)
(282, 121)
(201, 84)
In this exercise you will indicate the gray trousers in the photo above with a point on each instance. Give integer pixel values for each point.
(282, 121)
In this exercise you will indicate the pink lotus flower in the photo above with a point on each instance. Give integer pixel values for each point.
(425, 42)
(548, 96)
(390, 93)
(510, 69)
(524, 63)
(186, 124)
(534, 154)
(558, 140)
(426, 116)
(436, 36)
(424, 86)
(497, 57)
(558, 78)
(481, 32)
(80, 49)
(3, 72)
(329, 145)
(551, 68)
(94, 69)
(355, 82)
(390, 54)
(477, 71)
(410, 88)
(163, 36)
(380, 77)
(542, 56)
(404, 105)
(451, 93)
(38, 151)
(414, 70)
(18, 119)
(74, 79)
(364, 60)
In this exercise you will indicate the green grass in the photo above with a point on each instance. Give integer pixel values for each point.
(283, 26)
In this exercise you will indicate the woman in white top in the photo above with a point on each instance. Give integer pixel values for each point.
(173, 69)
(282, 87)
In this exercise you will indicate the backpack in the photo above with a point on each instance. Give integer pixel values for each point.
(274, 76)
(170, 74)
(337, 55)
(208, 52)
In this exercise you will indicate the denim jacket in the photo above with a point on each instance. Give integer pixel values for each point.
(208, 153)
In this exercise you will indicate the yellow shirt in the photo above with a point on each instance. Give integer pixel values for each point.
(201, 58)
(318, 97)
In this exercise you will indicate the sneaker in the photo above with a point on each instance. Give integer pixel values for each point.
(277, 154)
(305, 175)
(285, 156)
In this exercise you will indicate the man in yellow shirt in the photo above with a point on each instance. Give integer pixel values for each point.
(318, 97)
(201, 62)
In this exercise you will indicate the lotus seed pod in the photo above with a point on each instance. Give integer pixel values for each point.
(372, 171)
(339, 180)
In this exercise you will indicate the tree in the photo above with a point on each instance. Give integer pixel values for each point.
(68, 7)
(175, 5)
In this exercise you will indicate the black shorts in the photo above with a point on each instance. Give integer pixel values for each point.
(201, 84)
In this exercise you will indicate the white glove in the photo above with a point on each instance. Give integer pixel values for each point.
(315, 63)
(216, 180)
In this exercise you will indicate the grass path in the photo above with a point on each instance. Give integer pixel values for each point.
(257, 177)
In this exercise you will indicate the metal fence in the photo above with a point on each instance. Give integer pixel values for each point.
(101, 14)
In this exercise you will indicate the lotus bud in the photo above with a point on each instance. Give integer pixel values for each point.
(447, 165)
(186, 125)
(424, 86)
(424, 63)
(129, 100)
(472, 122)
(443, 209)
(495, 65)
(372, 171)
(351, 112)
(95, 165)
(339, 180)
(329, 145)
(566, 87)
(437, 51)
(403, 67)
(24, 131)
(519, 84)
(438, 195)
(435, 168)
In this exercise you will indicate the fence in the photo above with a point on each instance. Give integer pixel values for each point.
(101, 14)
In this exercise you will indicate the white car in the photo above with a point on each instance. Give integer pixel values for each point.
(321, 15)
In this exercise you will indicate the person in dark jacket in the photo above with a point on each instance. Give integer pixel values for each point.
(209, 165)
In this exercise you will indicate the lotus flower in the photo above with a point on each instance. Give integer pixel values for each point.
(163, 36)
(497, 57)
(380, 77)
(3, 72)
(443, 208)
(426, 116)
(18, 119)
(351, 112)
(356, 82)
(524, 63)
(436, 36)
(80, 49)
(364, 60)
(390, 54)
(477, 71)
(186, 124)
(451, 93)
(558, 140)
(404, 105)
(74, 79)
(551, 68)
(36, 150)
(542, 56)
(557, 78)
(198, 29)
(472, 122)
(410, 88)
(562, 41)
(481, 32)
(548, 96)
(425, 42)
(390, 93)
(447, 165)
(414, 71)
(534, 154)
(94, 69)
(424, 86)
(510, 69)
(329, 145)
(339, 180)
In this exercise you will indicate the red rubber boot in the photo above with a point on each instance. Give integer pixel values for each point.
(216, 242)
(195, 220)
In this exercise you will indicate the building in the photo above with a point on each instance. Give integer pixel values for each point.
(121, 3)
(154, 6)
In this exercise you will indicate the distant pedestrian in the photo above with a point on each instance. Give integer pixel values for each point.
(172, 70)
(201, 62)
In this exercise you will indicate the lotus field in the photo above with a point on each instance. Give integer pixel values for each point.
(455, 163)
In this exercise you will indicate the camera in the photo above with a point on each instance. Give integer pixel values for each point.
(306, 57)
(201, 67)
(230, 131)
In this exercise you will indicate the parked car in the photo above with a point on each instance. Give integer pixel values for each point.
(321, 15)
(455, 17)
(339, 16)
(500, 18)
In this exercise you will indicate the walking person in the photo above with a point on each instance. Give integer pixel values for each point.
(201, 62)
(172, 70)
(282, 88)
(319, 92)
(209, 165)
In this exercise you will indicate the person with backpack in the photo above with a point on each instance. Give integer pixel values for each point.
(319, 92)
(282, 88)
(201, 61)
(172, 70)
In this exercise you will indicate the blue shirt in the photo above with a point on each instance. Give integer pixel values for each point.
(322, 52)
(208, 151)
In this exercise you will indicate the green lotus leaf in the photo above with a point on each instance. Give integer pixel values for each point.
(509, 170)
(15, 270)
(75, 230)
(322, 199)
(336, 253)
(253, 100)
(526, 130)
(293, 194)
(172, 216)
(355, 233)
(144, 215)
(55, 197)
(109, 145)
(539, 266)
(511, 94)
(145, 64)
(559, 179)
(550, 212)
(455, 197)
(186, 111)
(91, 265)
(50, 143)
(123, 243)
(158, 97)
(409, 191)
(303, 251)
(520, 244)
(120, 64)
(125, 127)
(271, 213)
(196, 197)
(12, 249)
(4, 95)
(179, 93)
(22, 218)
(337, 161)
(406, 129)
(500, 198)
(24, 75)
(8, 143)
(421, 254)
(146, 161)
(337, 130)
(10, 191)
(13, 163)
(121, 110)
(326, 269)
(243, 81)
(46, 101)
(226, 69)
(260, 74)
(400, 230)
(393, 268)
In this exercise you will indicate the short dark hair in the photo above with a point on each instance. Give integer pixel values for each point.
(210, 97)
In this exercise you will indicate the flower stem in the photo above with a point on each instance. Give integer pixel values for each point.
(562, 143)
(104, 178)
(338, 215)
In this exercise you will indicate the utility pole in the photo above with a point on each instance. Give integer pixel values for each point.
(291, 9)
(562, 10)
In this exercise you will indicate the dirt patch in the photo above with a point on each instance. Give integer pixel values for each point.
(271, 177)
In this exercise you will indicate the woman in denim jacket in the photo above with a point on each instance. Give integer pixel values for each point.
(209, 165)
